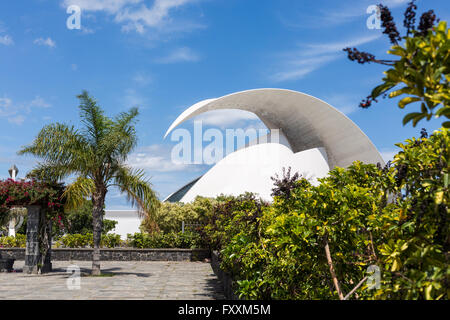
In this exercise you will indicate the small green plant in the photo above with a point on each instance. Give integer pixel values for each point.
(86, 241)
(19, 241)
(187, 240)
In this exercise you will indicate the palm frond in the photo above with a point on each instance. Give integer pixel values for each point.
(49, 172)
(120, 139)
(61, 144)
(77, 192)
(138, 189)
(93, 118)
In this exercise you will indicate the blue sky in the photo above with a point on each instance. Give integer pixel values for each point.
(165, 55)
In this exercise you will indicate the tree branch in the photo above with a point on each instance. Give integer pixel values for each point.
(332, 271)
(355, 288)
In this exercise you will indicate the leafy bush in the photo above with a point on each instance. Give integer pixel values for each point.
(319, 242)
(414, 257)
(170, 216)
(230, 216)
(86, 240)
(187, 240)
(19, 241)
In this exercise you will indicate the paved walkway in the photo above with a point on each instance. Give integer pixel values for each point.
(123, 280)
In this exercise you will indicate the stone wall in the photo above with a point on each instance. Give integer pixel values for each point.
(224, 277)
(118, 254)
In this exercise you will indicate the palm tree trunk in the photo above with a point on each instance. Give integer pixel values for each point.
(98, 201)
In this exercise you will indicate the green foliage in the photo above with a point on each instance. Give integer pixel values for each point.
(187, 240)
(87, 241)
(19, 241)
(396, 218)
(230, 216)
(414, 257)
(423, 71)
(170, 216)
(80, 220)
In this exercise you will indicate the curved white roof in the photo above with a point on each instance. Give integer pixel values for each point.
(307, 122)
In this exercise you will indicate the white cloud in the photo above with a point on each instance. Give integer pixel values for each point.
(156, 158)
(334, 47)
(345, 103)
(300, 62)
(183, 54)
(388, 155)
(5, 106)
(133, 99)
(340, 12)
(40, 103)
(110, 6)
(45, 42)
(297, 68)
(226, 118)
(6, 40)
(142, 79)
(134, 15)
(16, 112)
(19, 119)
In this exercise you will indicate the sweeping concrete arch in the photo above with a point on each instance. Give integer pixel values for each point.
(314, 138)
(306, 122)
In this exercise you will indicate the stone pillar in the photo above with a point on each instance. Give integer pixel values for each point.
(32, 252)
(47, 267)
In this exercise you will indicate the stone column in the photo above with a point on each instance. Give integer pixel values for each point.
(32, 253)
(47, 267)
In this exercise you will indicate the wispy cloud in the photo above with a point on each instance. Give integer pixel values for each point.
(16, 112)
(157, 158)
(183, 54)
(388, 154)
(298, 67)
(134, 15)
(302, 61)
(346, 103)
(142, 79)
(19, 119)
(45, 42)
(226, 118)
(6, 40)
(134, 99)
(335, 13)
(40, 103)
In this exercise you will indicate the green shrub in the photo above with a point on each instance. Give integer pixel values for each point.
(111, 240)
(170, 216)
(19, 241)
(187, 240)
(281, 251)
(87, 241)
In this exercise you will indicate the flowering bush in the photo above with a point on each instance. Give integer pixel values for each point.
(26, 193)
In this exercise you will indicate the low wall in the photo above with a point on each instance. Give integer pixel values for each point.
(224, 277)
(117, 254)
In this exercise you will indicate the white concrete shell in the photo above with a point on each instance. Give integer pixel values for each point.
(306, 123)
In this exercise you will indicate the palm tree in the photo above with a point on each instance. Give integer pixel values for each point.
(96, 156)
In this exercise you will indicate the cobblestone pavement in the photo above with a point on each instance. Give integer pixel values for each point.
(122, 280)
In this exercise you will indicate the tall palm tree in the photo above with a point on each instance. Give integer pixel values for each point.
(96, 156)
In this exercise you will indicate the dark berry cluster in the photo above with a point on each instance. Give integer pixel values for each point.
(423, 133)
(427, 21)
(359, 56)
(389, 25)
(410, 17)
(366, 103)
